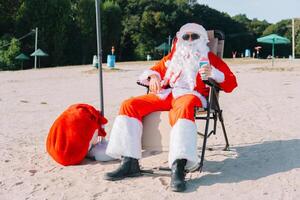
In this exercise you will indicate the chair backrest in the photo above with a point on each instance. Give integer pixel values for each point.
(216, 45)
(216, 42)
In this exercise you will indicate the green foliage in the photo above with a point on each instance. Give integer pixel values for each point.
(146, 24)
(297, 37)
(281, 28)
(258, 27)
(52, 17)
(8, 10)
(237, 35)
(7, 55)
(85, 19)
(111, 26)
(67, 30)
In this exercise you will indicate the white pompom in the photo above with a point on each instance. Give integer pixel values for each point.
(98, 151)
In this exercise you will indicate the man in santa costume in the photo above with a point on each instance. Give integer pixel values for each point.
(176, 85)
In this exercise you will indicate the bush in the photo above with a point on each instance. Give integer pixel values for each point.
(8, 54)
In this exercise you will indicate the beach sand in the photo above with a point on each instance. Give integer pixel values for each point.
(261, 117)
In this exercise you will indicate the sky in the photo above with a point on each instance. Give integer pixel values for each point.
(271, 10)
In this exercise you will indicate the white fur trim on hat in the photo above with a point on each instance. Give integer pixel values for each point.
(125, 138)
(194, 28)
(183, 143)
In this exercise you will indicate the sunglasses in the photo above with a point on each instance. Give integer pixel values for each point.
(193, 36)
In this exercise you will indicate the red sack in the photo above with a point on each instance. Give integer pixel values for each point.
(69, 137)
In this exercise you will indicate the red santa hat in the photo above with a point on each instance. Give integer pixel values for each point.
(69, 137)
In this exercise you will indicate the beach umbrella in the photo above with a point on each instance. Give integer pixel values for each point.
(22, 57)
(163, 47)
(39, 53)
(99, 53)
(273, 39)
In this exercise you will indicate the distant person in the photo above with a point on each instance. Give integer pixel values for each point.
(234, 54)
(176, 85)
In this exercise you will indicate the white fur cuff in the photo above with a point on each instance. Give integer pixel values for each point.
(183, 143)
(125, 138)
(217, 75)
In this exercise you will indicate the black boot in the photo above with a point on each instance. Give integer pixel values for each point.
(129, 167)
(178, 175)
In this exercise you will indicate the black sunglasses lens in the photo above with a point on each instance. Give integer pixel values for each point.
(195, 36)
(186, 37)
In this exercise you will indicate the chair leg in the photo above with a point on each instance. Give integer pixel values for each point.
(205, 139)
(219, 111)
(224, 131)
(215, 122)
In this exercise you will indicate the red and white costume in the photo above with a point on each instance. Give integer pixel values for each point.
(179, 70)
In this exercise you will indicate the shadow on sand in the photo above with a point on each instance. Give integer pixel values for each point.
(252, 162)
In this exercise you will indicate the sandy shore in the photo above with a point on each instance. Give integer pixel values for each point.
(261, 117)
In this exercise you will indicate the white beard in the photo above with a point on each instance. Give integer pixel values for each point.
(184, 65)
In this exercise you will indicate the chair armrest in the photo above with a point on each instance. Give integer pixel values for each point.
(146, 86)
(212, 83)
(141, 84)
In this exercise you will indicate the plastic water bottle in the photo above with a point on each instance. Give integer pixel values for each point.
(203, 61)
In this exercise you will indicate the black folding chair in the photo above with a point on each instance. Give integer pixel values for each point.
(211, 112)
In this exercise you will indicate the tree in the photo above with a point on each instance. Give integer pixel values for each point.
(258, 27)
(237, 35)
(146, 24)
(7, 56)
(52, 17)
(84, 17)
(8, 10)
(111, 26)
(297, 37)
(67, 30)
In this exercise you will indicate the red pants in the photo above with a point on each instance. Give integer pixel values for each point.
(180, 108)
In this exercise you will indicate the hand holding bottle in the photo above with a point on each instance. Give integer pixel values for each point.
(205, 68)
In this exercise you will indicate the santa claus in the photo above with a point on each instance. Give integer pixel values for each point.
(176, 85)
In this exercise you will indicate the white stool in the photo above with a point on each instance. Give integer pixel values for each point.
(156, 131)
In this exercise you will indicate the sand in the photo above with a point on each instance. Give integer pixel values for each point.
(261, 117)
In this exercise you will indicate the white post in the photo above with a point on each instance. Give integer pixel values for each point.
(169, 41)
(293, 38)
(36, 41)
